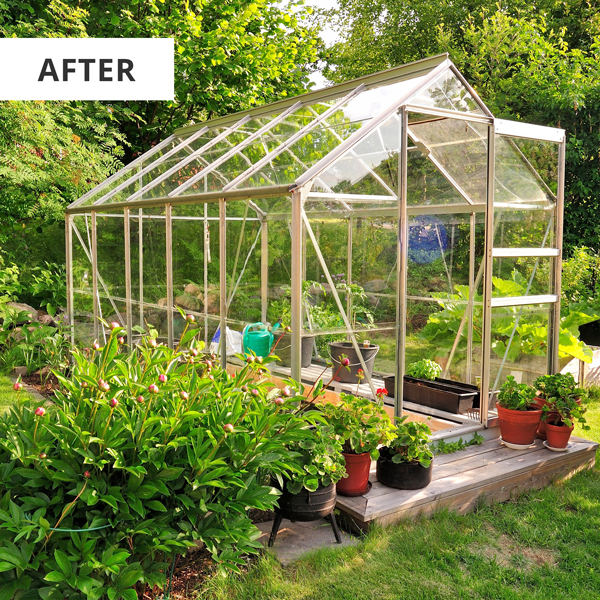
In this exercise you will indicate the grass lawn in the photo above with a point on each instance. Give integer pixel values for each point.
(7, 395)
(545, 545)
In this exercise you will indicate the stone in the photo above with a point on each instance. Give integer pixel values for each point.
(21, 307)
(193, 290)
(187, 301)
(298, 538)
(162, 302)
(20, 371)
(375, 285)
(45, 319)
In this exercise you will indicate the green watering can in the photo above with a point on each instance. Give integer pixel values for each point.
(258, 340)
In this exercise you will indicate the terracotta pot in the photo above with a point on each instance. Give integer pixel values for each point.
(558, 435)
(518, 426)
(357, 482)
(550, 418)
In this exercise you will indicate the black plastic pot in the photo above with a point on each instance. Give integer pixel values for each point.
(336, 349)
(443, 394)
(404, 475)
(306, 506)
(284, 350)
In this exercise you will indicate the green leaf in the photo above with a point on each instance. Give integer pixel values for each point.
(55, 576)
(63, 562)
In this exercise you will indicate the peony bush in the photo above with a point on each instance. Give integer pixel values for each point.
(143, 454)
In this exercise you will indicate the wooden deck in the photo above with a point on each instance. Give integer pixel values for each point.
(490, 472)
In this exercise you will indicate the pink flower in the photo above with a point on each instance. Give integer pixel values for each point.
(345, 362)
(87, 474)
(152, 343)
(43, 455)
(115, 325)
(190, 318)
(114, 403)
(250, 359)
(228, 428)
(84, 384)
(255, 392)
(103, 385)
(18, 386)
(153, 388)
(286, 391)
(121, 340)
(40, 411)
(162, 378)
(193, 352)
(96, 346)
(184, 395)
(140, 399)
(244, 388)
(279, 401)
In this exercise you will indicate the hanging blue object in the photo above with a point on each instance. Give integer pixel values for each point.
(427, 239)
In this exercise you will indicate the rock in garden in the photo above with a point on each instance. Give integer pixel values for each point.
(192, 289)
(20, 307)
(45, 319)
(188, 302)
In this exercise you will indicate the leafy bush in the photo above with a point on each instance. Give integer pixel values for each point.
(10, 287)
(363, 425)
(411, 443)
(424, 369)
(516, 396)
(48, 287)
(142, 455)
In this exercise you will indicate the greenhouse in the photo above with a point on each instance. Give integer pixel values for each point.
(391, 216)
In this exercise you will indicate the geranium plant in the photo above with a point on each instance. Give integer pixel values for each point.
(362, 424)
(411, 443)
(516, 396)
(320, 460)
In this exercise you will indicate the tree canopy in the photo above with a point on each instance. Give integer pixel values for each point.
(536, 63)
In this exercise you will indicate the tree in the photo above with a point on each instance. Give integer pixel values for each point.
(531, 63)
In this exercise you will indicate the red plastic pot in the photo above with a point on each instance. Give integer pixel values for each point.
(518, 426)
(357, 468)
(558, 435)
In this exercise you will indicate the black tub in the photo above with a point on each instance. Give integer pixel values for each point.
(404, 475)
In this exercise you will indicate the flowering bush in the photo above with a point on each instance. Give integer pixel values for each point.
(142, 455)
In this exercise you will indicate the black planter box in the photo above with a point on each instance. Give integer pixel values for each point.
(446, 395)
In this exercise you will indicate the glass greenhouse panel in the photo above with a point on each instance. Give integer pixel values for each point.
(531, 227)
(83, 298)
(439, 261)
(426, 185)
(519, 343)
(459, 150)
(522, 276)
(449, 93)
(110, 236)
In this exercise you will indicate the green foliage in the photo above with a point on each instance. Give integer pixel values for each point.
(516, 396)
(443, 447)
(361, 423)
(10, 287)
(48, 288)
(424, 369)
(321, 461)
(532, 62)
(580, 281)
(531, 333)
(411, 443)
(563, 399)
(141, 455)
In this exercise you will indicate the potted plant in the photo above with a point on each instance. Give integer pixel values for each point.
(406, 462)
(560, 414)
(518, 413)
(363, 425)
(422, 385)
(553, 386)
(310, 493)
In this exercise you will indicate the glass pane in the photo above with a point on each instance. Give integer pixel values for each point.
(460, 149)
(525, 276)
(110, 234)
(83, 300)
(519, 343)
(448, 92)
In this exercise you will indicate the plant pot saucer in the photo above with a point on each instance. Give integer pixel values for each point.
(516, 446)
(353, 494)
(568, 447)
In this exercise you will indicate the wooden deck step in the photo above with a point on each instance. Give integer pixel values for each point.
(490, 472)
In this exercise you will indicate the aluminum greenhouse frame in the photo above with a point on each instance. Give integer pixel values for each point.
(414, 119)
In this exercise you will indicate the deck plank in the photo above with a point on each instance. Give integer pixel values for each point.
(461, 478)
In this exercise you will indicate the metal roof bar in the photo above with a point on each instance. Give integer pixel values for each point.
(521, 252)
(357, 136)
(235, 150)
(523, 300)
(451, 114)
(122, 171)
(187, 160)
(257, 192)
(294, 138)
(407, 71)
(183, 145)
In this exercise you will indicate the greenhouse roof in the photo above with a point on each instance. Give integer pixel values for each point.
(329, 138)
